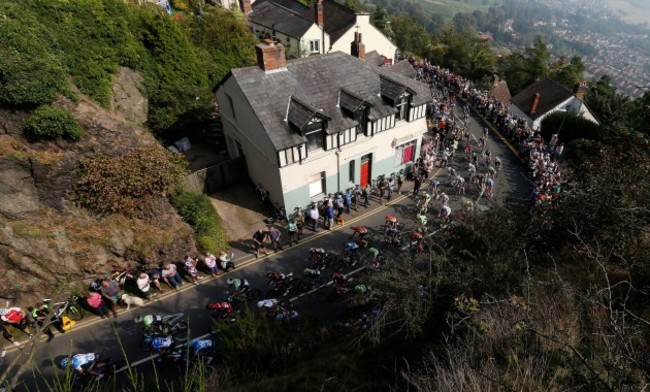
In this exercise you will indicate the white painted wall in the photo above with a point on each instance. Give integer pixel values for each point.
(295, 46)
(382, 146)
(372, 38)
(246, 128)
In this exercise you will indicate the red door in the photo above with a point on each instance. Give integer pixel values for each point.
(365, 170)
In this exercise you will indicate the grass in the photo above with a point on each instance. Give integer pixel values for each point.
(449, 8)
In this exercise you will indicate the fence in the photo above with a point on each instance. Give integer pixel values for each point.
(218, 177)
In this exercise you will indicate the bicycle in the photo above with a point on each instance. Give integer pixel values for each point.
(66, 308)
(248, 295)
(174, 326)
(105, 369)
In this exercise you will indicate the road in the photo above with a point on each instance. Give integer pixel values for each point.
(102, 335)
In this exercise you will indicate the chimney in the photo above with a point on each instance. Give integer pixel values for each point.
(495, 80)
(270, 56)
(535, 103)
(580, 89)
(357, 48)
(245, 6)
(319, 13)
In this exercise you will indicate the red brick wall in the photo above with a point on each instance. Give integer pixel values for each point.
(270, 56)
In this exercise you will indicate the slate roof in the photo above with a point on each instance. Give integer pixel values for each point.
(337, 18)
(552, 94)
(404, 68)
(300, 113)
(501, 92)
(316, 81)
(374, 58)
(272, 15)
(351, 101)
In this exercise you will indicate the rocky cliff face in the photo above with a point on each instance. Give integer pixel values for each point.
(45, 239)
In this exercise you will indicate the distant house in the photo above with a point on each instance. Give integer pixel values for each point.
(320, 124)
(326, 26)
(546, 96)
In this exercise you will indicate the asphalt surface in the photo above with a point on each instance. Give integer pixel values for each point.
(95, 335)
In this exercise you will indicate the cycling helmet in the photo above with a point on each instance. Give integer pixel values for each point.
(229, 281)
(64, 362)
(138, 319)
(147, 320)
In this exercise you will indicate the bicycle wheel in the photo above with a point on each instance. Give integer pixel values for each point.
(74, 313)
(255, 294)
(179, 328)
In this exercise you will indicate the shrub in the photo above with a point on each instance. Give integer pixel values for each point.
(51, 122)
(126, 182)
(197, 210)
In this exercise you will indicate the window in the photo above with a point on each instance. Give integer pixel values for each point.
(315, 141)
(314, 46)
(316, 184)
(232, 106)
(402, 108)
(352, 170)
(405, 153)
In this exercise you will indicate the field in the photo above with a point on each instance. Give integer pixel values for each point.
(449, 8)
(631, 11)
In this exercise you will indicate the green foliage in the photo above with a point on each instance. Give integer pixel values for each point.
(522, 70)
(51, 122)
(126, 182)
(43, 42)
(197, 210)
(568, 74)
(570, 127)
(464, 53)
(409, 36)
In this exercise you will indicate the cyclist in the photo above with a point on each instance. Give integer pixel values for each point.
(202, 349)
(318, 257)
(220, 309)
(313, 274)
(83, 364)
(277, 280)
(422, 221)
(350, 249)
(153, 324)
(359, 235)
(391, 223)
(340, 281)
(239, 286)
(164, 346)
(374, 255)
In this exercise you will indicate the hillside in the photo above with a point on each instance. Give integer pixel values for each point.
(126, 77)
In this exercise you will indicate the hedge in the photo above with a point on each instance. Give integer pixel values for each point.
(197, 210)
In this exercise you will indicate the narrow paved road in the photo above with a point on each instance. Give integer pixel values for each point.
(102, 335)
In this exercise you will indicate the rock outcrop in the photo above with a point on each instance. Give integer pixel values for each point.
(127, 99)
(45, 239)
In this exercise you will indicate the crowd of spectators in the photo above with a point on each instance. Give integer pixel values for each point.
(540, 156)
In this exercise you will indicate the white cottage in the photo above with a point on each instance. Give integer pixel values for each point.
(320, 124)
(546, 96)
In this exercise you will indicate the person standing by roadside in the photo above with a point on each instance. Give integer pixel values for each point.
(417, 183)
(314, 216)
(389, 189)
(292, 229)
(400, 181)
(111, 292)
(348, 200)
(366, 196)
(329, 217)
(274, 237)
(258, 239)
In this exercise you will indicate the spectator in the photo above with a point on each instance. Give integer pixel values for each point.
(96, 302)
(144, 284)
(292, 229)
(155, 275)
(329, 217)
(190, 268)
(7, 335)
(313, 216)
(17, 318)
(41, 315)
(274, 235)
(258, 239)
(348, 201)
(112, 295)
(211, 264)
(171, 276)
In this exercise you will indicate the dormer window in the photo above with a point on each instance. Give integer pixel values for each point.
(307, 121)
(356, 107)
(398, 95)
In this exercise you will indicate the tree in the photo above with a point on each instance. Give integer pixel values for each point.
(610, 106)
(538, 57)
(567, 74)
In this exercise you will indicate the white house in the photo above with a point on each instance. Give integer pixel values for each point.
(300, 36)
(320, 124)
(546, 96)
(326, 26)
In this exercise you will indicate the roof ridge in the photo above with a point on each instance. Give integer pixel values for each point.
(288, 10)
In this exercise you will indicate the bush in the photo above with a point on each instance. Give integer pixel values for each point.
(570, 127)
(50, 122)
(125, 183)
(197, 210)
